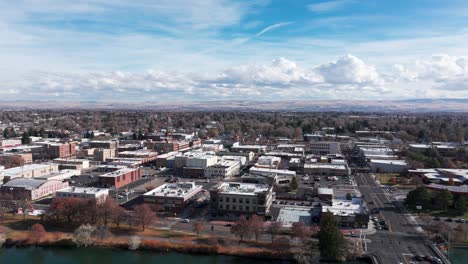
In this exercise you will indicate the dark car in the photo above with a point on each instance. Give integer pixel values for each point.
(418, 258)
(228, 225)
(449, 220)
(436, 218)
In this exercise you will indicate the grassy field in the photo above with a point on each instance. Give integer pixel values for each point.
(450, 213)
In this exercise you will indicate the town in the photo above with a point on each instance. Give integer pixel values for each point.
(312, 186)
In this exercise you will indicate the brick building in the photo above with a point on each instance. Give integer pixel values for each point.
(119, 178)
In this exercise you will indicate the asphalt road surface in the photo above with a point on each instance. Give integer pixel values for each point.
(401, 242)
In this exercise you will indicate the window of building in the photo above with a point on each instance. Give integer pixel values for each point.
(247, 208)
(247, 201)
(220, 199)
(227, 206)
(234, 207)
(241, 200)
(233, 200)
(227, 199)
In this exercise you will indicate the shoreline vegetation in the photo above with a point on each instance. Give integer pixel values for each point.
(132, 238)
(19, 231)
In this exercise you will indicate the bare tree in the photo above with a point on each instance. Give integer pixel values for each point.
(144, 215)
(83, 235)
(299, 230)
(198, 227)
(25, 205)
(256, 226)
(134, 242)
(241, 228)
(274, 230)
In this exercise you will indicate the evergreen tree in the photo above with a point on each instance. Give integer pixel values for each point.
(25, 140)
(418, 197)
(332, 244)
(42, 132)
(294, 184)
(444, 199)
(150, 126)
(6, 133)
(460, 204)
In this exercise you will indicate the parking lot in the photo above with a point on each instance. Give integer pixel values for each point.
(325, 181)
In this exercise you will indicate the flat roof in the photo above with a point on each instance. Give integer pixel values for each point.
(118, 172)
(391, 162)
(180, 190)
(328, 191)
(293, 214)
(243, 188)
(325, 166)
(90, 190)
(273, 171)
(344, 207)
(29, 167)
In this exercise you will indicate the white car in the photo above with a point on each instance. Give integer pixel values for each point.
(305, 178)
(185, 221)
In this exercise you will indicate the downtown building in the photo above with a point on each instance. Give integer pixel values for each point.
(235, 199)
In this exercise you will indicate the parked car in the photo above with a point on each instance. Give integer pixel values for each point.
(460, 220)
(436, 218)
(449, 220)
(185, 221)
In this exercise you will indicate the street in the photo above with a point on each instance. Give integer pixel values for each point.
(401, 242)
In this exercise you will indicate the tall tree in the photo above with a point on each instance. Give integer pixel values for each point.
(444, 199)
(241, 228)
(274, 229)
(256, 225)
(293, 184)
(332, 244)
(460, 204)
(418, 197)
(144, 215)
(25, 140)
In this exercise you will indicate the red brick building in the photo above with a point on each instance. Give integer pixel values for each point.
(119, 178)
(62, 150)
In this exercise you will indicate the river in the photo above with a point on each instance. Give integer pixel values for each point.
(39, 255)
(459, 255)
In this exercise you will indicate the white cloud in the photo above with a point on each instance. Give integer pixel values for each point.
(350, 70)
(282, 78)
(272, 27)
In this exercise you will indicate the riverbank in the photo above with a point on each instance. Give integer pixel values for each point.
(16, 232)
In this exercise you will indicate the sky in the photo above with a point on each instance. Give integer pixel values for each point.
(210, 50)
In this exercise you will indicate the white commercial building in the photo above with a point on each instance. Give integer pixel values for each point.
(223, 169)
(30, 171)
(271, 172)
(241, 199)
(324, 147)
(60, 176)
(241, 159)
(349, 213)
(388, 166)
(270, 162)
(100, 194)
(172, 196)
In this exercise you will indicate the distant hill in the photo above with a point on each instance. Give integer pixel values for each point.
(413, 105)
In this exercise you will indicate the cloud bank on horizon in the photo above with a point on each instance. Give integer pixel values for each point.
(182, 50)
